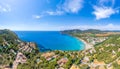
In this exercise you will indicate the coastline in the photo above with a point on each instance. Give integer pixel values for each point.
(87, 45)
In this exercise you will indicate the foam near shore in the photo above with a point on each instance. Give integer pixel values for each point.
(87, 45)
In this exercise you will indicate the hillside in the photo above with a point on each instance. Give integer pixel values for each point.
(82, 31)
(16, 54)
(104, 55)
(10, 46)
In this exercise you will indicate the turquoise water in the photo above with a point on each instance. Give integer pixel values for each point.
(51, 40)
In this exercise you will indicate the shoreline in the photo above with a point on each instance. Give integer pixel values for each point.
(87, 45)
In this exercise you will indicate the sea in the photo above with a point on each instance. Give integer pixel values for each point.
(51, 40)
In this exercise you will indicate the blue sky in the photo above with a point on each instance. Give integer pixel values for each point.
(59, 14)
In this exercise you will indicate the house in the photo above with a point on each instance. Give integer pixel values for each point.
(11, 50)
(62, 61)
(109, 66)
(85, 60)
(118, 62)
(74, 67)
(59, 68)
(118, 49)
(26, 47)
(48, 56)
(38, 61)
(21, 58)
(96, 62)
(101, 67)
(32, 45)
(113, 52)
(7, 67)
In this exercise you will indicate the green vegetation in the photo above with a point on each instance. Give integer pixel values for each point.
(7, 42)
(9, 47)
(109, 48)
(106, 53)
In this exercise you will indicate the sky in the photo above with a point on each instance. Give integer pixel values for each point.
(54, 15)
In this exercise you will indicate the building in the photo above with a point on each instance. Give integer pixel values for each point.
(62, 61)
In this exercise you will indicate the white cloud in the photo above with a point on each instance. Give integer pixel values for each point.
(37, 16)
(55, 12)
(52, 13)
(68, 6)
(4, 8)
(72, 6)
(102, 10)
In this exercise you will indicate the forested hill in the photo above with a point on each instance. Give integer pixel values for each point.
(7, 35)
(81, 31)
(10, 48)
(94, 31)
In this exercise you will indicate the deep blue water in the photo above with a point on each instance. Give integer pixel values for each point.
(51, 40)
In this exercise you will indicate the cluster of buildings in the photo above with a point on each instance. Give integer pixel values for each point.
(20, 58)
(51, 55)
(95, 40)
(62, 61)
(26, 46)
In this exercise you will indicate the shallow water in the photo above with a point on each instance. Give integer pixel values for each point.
(51, 40)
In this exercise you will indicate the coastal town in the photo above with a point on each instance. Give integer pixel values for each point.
(17, 49)
(100, 53)
(59, 34)
(27, 47)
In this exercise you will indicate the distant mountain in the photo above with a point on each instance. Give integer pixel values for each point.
(72, 31)
(87, 31)
(82, 31)
(92, 31)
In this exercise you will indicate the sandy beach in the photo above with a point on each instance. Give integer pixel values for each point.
(87, 45)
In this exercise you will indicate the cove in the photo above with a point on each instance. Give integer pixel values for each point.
(53, 40)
